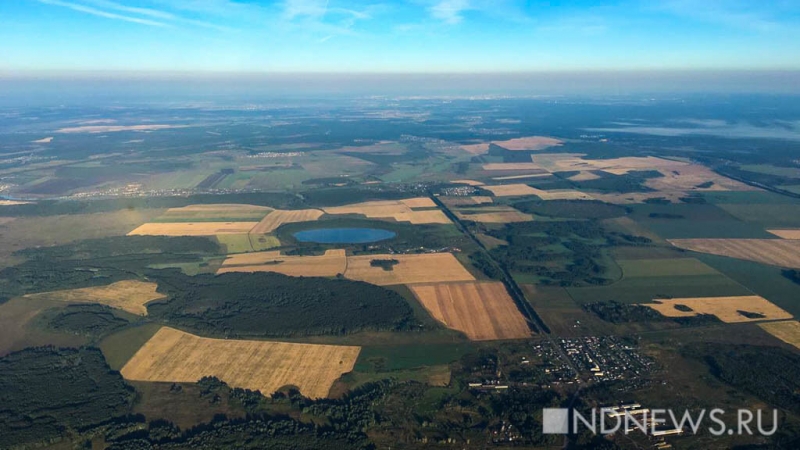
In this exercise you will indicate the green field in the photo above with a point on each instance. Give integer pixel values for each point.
(683, 221)
(766, 281)
(243, 243)
(664, 268)
(401, 357)
(121, 346)
(645, 289)
(766, 215)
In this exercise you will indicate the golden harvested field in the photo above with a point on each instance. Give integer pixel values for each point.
(494, 214)
(511, 166)
(725, 308)
(330, 264)
(466, 201)
(468, 182)
(777, 252)
(482, 311)
(529, 143)
(422, 217)
(524, 143)
(518, 177)
(399, 210)
(584, 175)
(217, 211)
(786, 234)
(567, 162)
(127, 295)
(688, 177)
(476, 149)
(174, 356)
(419, 202)
(510, 190)
(423, 268)
(278, 217)
(192, 228)
(788, 331)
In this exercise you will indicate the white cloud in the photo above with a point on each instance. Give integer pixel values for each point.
(101, 13)
(449, 11)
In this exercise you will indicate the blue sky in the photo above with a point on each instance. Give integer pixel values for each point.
(397, 36)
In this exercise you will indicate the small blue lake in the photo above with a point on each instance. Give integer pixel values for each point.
(344, 235)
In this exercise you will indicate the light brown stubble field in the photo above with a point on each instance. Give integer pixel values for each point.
(788, 331)
(192, 228)
(776, 252)
(422, 268)
(481, 310)
(277, 218)
(725, 308)
(332, 263)
(175, 356)
(127, 295)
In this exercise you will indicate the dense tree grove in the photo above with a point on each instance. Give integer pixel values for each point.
(271, 304)
(45, 390)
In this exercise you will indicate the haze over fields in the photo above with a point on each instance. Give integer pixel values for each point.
(421, 224)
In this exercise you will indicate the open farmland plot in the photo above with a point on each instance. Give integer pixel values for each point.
(192, 228)
(174, 356)
(694, 178)
(277, 218)
(510, 190)
(215, 213)
(399, 210)
(483, 311)
(468, 182)
(726, 309)
(332, 263)
(788, 331)
(776, 252)
(492, 167)
(466, 201)
(529, 143)
(410, 269)
(493, 214)
(786, 234)
(127, 295)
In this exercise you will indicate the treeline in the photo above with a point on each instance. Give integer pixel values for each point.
(44, 392)
(770, 373)
(271, 304)
(792, 274)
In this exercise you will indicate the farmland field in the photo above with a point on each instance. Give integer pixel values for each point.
(215, 213)
(777, 252)
(483, 311)
(786, 234)
(175, 356)
(330, 264)
(787, 331)
(128, 295)
(277, 218)
(192, 228)
(727, 309)
(399, 210)
(411, 269)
